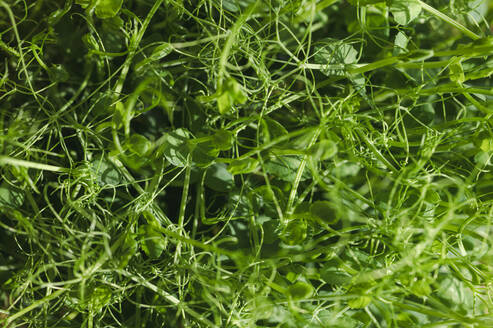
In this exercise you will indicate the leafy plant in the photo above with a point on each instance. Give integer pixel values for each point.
(254, 163)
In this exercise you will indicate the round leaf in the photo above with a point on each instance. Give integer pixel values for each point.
(300, 290)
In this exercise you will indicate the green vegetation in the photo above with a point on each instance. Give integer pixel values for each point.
(242, 163)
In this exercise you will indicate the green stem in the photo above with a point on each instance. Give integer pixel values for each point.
(133, 48)
(231, 38)
(34, 305)
(449, 20)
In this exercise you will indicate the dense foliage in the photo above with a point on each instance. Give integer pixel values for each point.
(269, 163)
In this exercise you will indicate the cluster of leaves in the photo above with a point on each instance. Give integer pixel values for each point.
(268, 163)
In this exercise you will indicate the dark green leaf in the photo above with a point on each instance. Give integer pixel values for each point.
(139, 144)
(218, 178)
(324, 211)
(223, 140)
(152, 241)
(105, 171)
(300, 290)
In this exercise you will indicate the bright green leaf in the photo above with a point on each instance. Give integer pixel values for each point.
(404, 11)
(421, 288)
(108, 8)
(100, 297)
(359, 302)
(243, 166)
(176, 149)
(333, 52)
(486, 145)
(230, 94)
(456, 70)
(400, 43)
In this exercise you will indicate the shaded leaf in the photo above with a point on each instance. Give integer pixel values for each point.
(152, 241)
(285, 168)
(10, 197)
(324, 211)
(105, 171)
(218, 178)
(300, 290)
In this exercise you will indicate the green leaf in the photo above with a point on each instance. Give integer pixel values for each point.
(421, 288)
(100, 297)
(295, 232)
(456, 70)
(223, 140)
(126, 251)
(176, 148)
(139, 144)
(107, 174)
(108, 8)
(152, 241)
(84, 3)
(271, 129)
(161, 51)
(332, 52)
(230, 94)
(404, 11)
(486, 145)
(300, 290)
(224, 103)
(10, 197)
(324, 211)
(359, 302)
(334, 277)
(400, 43)
(285, 168)
(204, 154)
(323, 150)
(218, 178)
(243, 166)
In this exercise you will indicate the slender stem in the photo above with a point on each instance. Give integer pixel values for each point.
(230, 40)
(449, 20)
(34, 305)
